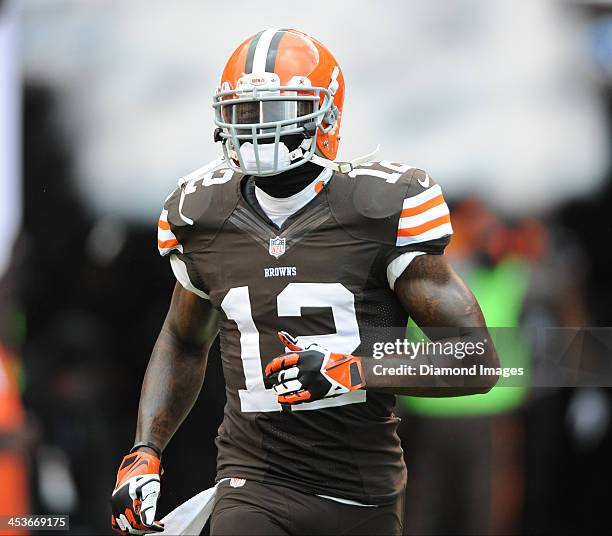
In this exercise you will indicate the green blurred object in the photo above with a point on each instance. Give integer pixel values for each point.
(501, 291)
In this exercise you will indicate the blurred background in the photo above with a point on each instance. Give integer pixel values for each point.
(104, 104)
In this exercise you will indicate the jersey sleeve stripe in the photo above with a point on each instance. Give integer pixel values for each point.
(164, 216)
(166, 239)
(433, 234)
(419, 199)
(162, 236)
(423, 217)
(420, 229)
(166, 244)
(413, 211)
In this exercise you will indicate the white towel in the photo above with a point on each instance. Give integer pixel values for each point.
(190, 517)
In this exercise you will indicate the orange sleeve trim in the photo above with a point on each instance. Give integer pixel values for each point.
(419, 229)
(419, 209)
(164, 244)
(163, 225)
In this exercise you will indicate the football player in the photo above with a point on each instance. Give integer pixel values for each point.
(299, 262)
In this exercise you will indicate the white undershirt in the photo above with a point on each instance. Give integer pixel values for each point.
(278, 209)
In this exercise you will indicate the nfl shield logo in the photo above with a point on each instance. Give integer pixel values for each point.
(277, 246)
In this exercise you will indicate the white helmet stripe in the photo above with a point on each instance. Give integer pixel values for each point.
(248, 67)
(261, 52)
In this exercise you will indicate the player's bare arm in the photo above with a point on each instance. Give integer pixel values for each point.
(436, 298)
(171, 385)
(177, 367)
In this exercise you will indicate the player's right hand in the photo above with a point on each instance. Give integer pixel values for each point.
(134, 499)
(314, 373)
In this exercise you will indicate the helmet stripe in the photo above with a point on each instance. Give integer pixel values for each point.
(248, 68)
(261, 50)
(272, 50)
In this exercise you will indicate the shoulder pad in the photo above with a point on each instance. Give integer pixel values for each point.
(194, 212)
(389, 203)
(367, 201)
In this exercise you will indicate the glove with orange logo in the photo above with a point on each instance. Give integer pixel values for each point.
(134, 498)
(314, 373)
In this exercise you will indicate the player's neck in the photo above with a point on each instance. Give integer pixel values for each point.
(290, 182)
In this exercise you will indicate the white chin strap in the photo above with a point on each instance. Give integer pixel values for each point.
(343, 167)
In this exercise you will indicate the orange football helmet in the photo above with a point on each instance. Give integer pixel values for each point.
(279, 103)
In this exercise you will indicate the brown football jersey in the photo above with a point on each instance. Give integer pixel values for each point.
(322, 277)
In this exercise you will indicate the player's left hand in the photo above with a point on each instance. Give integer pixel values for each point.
(134, 499)
(314, 373)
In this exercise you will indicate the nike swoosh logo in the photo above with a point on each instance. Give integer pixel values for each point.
(424, 183)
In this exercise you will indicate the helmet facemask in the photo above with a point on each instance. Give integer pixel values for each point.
(266, 129)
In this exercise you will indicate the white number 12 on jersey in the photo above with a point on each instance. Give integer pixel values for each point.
(237, 307)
